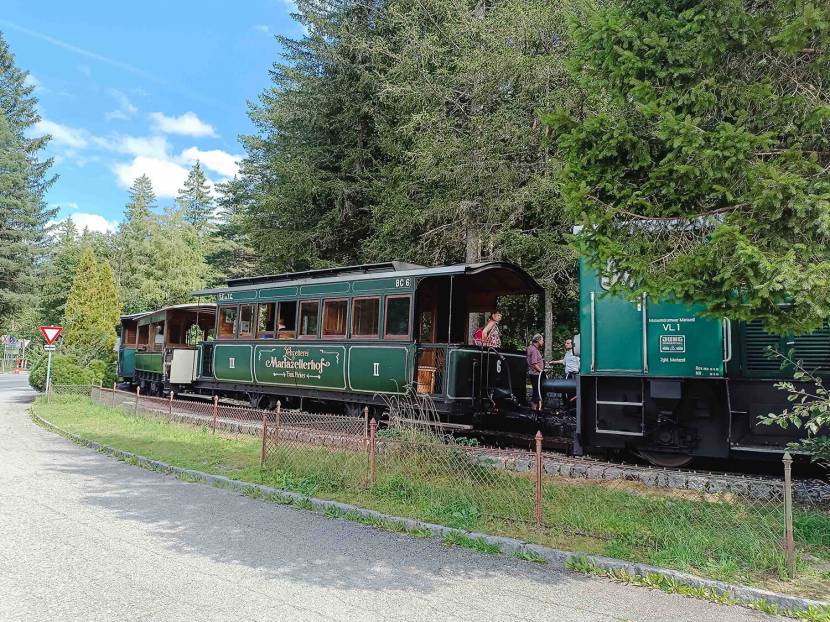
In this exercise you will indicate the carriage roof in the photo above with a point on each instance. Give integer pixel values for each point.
(492, 275)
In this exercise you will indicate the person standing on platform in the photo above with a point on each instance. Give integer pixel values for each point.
(536, 370)
(570, 360)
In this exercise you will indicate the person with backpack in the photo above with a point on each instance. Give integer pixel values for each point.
(489, 335)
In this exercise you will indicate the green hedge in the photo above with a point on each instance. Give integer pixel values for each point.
(67, 370)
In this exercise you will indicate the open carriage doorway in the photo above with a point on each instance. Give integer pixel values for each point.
(449, 309)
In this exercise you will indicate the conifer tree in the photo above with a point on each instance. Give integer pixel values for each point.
(92, 311)
(195, 200)
(175, 266)
(697, 159)
(310, 165)
(23, 181)
(134, 245)
(229, 253)
(16, 222)
(59, 271)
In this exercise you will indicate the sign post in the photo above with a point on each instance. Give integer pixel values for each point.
(50, 333)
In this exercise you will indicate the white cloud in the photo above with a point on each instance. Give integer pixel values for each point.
(166, 174)
(216, 160)
(85, 220)
(151, 146)
(262, 28)
(75, 138)
(126, 109)
(187, 124)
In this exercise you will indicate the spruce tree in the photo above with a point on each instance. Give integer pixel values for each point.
(311, 164)
(59, 271)
(92, 311)
(175, 266)
(697, 159)
(134, 245)
(196, 202)
(18, 222)
(24, 180)
(229, 252)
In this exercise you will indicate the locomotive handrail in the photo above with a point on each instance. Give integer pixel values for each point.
(727, 341)
(645, 333)
(593, 332)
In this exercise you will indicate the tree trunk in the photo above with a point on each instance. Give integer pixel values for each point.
(548, 325)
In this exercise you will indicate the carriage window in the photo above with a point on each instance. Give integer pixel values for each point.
(287, 320)
(397, 316)
(334, 318)
(365, 317)
(309, 318)
(227, 322)
(246, 321)
(265, 327)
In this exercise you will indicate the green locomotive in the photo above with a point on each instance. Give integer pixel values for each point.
(661, 379)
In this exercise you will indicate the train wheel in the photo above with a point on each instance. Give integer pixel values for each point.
(667, 460)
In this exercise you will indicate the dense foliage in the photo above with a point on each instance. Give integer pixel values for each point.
(697, 159)
(92, 311)
(66, 369)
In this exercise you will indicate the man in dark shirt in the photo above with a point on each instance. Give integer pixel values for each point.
(536, 370)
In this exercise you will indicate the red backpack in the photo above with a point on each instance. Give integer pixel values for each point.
(478, 337)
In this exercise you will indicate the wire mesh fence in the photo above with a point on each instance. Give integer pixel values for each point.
(409, 465)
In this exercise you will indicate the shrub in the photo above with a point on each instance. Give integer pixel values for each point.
(65, 370)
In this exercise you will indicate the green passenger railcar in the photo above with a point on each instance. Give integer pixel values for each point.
(358, 335)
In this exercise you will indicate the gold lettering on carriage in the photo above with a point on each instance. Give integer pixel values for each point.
(295, 363)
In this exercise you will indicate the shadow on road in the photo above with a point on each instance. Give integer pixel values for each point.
(277, 540)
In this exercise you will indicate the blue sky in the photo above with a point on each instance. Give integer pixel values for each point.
(127, 88)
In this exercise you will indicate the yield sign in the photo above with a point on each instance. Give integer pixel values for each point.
(50, 333)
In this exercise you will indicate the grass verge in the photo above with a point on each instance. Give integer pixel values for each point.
(721, 539)
(669, 585)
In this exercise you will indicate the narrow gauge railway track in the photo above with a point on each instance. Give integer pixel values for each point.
(520, 458)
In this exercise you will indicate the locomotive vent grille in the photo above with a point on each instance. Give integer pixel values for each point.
(758, 344)
(812, 349)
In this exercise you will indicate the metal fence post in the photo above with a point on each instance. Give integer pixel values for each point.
(789, 541)
(277, 422)
(137, 397)
(373, 426)
(113, 396)
(264, 437)
(170, 406)
(215, 411)
(538, 513)
(366, 425)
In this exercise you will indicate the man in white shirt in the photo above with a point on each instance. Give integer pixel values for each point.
(570, 360)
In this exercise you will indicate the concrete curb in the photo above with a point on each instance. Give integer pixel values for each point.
(742, 593)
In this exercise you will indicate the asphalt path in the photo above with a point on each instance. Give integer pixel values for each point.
(84, 537)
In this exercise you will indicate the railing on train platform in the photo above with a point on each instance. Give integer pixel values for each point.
(450, 480)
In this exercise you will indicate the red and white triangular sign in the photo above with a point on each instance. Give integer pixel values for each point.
(50, 333)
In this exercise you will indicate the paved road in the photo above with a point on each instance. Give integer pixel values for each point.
(83, 537)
